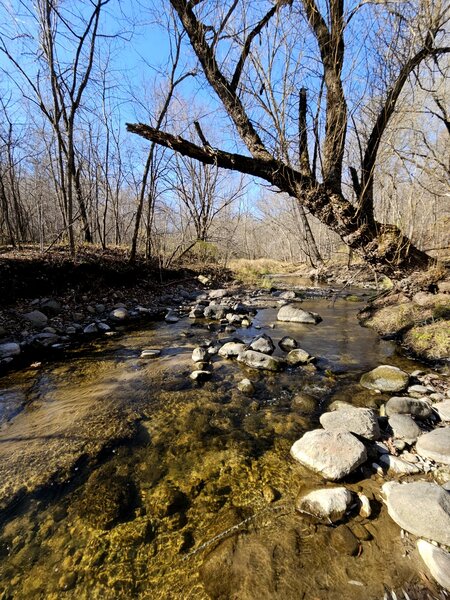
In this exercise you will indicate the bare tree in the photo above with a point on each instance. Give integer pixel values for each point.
(223, 41)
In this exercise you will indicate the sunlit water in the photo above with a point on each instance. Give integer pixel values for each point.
(122, 478)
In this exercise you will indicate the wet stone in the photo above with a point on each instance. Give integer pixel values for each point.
(292, 314)
(287, 343)
(119, 314)
(231, 349)
(257, 360)
(10, 349)
(200, 375)
(200, 354)
(150, 353)
(386, 379)
(298, 357)
(327, 505)
(263, 343)
(246, 386)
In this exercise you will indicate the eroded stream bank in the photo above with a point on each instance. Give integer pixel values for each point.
(122, 478)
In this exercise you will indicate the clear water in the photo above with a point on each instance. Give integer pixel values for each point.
(122, 478)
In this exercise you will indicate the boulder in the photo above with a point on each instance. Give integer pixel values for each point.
(327, 505)
(90, 329)
(417, 407)
(435, 445)
(200, 354)
(119, 314)
(362, 421)
(443, 410)
(421, 508)
(287, 343)
(404, 428)
(397, 466)
(298, 357)
(51, 307)
(36, 318)
(258, 360)
(333, 454)
(231, 349)
(437, 561)
(386, 379)
(262, 343)
(292, 314)
(10, 349)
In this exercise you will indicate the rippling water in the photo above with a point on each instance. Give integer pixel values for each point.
(121, 478)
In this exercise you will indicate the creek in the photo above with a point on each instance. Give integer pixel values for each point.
(122, 478)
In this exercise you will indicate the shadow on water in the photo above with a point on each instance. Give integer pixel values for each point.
(122, 478)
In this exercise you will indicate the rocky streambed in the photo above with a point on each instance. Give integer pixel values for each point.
(251, 445)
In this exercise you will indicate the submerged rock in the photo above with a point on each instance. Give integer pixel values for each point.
(421, 508)
(410, 406)
(290, 313)
(257, 360)
(435, 445)
(333, 454)
(263, 343)
(437, 561)
(246, 386)
(328, 505)
(200, 375)
(386, 379)
(362, 421)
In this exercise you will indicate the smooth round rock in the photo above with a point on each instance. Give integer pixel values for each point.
(333, 454)
(291, 314)
(362, 421)
(437, 561)
(435, 445)
(397, 466)
(421, 508)
(327, 505)
(386, 379)
(398, 405)
(119, 314)
(199, 354)
(36, 318)
(404, 428)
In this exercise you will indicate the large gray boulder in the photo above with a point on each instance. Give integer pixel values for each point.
(262, 343)
(437, 561)
(398, 405)
(10, 349)
(326, 505)
(435, 445)
(231, 349)
(292, 314)
(404, 428)
(362, 421)
(258, 360)
(421, 508)
(386, 379)
(333, 454)
(36, 318)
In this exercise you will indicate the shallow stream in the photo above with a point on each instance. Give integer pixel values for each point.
(121, 478)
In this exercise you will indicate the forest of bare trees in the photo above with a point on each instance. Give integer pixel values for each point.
(282, 129)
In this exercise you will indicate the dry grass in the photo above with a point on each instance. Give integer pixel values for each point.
(254, 271)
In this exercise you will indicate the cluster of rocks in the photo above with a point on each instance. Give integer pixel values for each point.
(410, 436)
